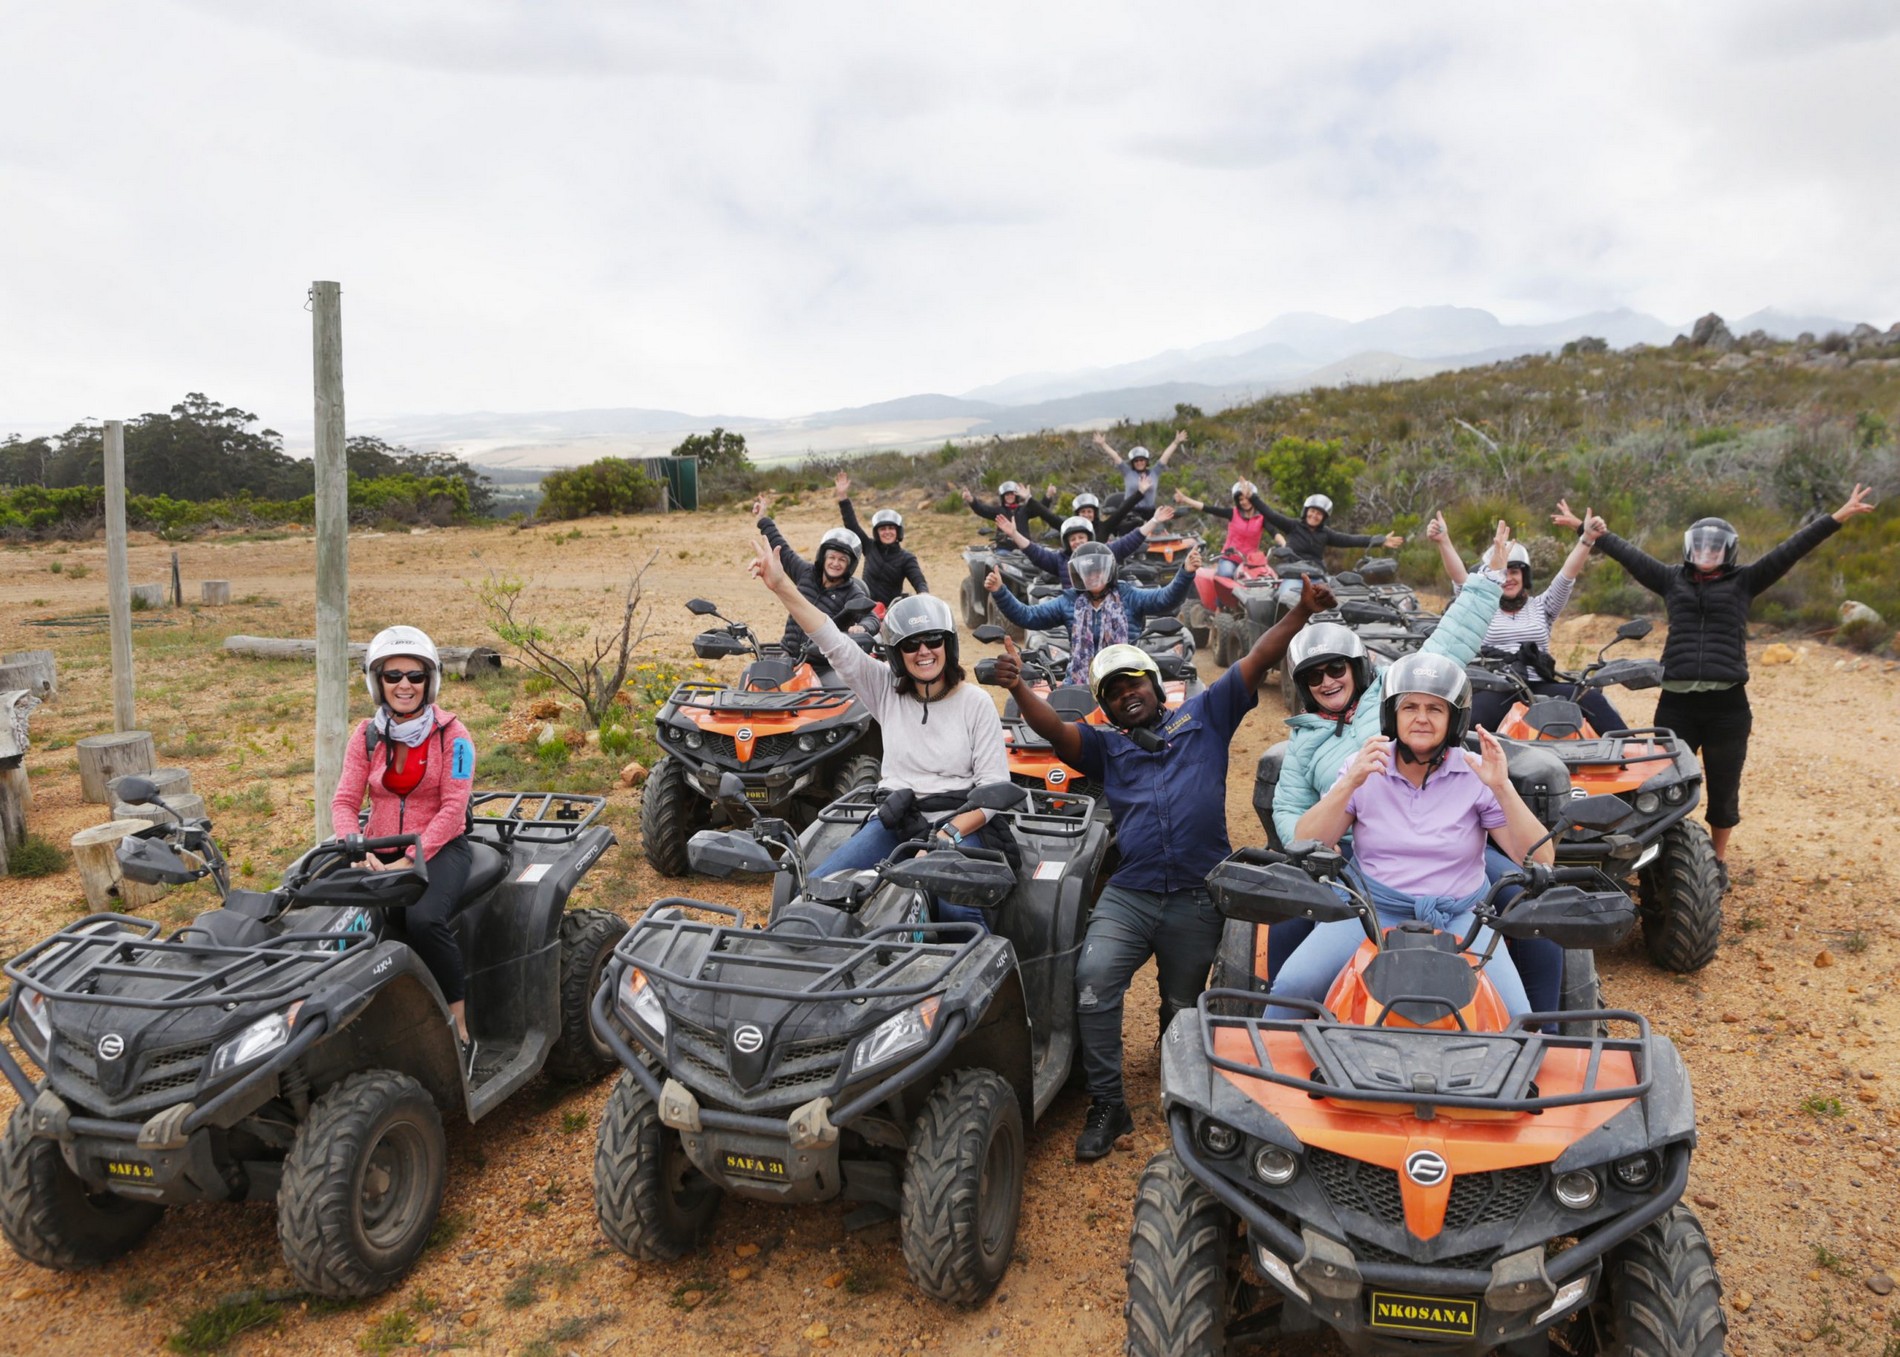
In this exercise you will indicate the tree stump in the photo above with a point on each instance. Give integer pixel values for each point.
(169, 781)
(15, 796)
(187, 804)
(148, 595)
(32, 670)
(104, 757)
(215, 593)
(96, 855)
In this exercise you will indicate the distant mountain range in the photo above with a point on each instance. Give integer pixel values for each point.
(1292, 352)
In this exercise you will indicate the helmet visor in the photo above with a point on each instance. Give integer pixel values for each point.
(1708, 548)
(1092, 570)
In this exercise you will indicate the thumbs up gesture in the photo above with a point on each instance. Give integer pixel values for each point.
(1009, 665)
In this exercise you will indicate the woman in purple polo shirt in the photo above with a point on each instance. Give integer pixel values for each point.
(1419, 807)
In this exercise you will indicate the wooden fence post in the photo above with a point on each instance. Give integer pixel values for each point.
(333, 548)
(118, 582)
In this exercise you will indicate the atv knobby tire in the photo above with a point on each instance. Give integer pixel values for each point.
(963, 1187)
(1289, 689)
(1662, 1297)
(1233, 969)
(1582, 990)
(976, 604)
(860, 770)
(1194, 616)
(1177, 1266)
(1227, 636)
(1680, 898)
(362, 1185)
(588, 939)
(670, 810)
(51, 1217)
(652, 1203)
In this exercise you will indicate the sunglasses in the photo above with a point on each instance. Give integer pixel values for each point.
(910, 645)
(1331, 669)
(417, 676)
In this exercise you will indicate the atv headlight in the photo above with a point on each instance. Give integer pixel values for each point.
(640, 1003)
(1648, 803)
(1674, 794)
(897, 1034)
(834, 735)
(694, 739)
(262, 1037)
(1274, 1166)
(1217, 1139)
(807, 743)
(1577, 1190)
(1638, 1171)
(32, 1007)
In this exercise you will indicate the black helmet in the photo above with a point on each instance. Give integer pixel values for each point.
(1319, 642)
(1429, 676)
(890, 516)
(1092, 567)
(1705, 537)
(839, 539)
(917, 615)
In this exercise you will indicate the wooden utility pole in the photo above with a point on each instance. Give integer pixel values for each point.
(118, 581)
(333, 550)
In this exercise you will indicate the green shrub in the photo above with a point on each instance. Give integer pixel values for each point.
(612, 485)
(36, 856)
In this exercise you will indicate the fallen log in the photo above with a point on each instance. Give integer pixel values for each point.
(461, 661)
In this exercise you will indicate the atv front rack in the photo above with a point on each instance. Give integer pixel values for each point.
(1043, 818)
(815, 969)
(1413, 1066)
(534, 817)
(718, 697)
(184, 973)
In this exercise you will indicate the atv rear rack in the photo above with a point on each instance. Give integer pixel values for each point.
(534, 817)
(718, 697)
(217, 974)
(823, 965)
(1407, 1065)
(1606, 750)
(1043, 819)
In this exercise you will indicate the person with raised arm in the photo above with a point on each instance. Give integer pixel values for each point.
(1246, 521)
(888, 566)
(1011, 499)
(1075, 531)
(1098, 610)
(1164, 774)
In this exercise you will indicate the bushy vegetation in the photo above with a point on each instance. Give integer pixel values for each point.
(79, 511)
(612, 485)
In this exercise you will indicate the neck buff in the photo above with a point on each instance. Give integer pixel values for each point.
(412, 731)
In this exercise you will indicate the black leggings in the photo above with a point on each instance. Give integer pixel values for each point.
(426, 923)
(1715, 725)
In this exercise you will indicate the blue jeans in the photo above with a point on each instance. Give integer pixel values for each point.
(1316, 963)
(1227, 567)
(874, 843)
(1180, 930)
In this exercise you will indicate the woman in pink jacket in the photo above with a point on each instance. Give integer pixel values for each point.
(417, 762)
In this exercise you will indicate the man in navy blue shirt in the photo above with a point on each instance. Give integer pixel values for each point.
(1165, 775)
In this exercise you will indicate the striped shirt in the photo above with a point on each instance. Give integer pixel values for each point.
(1531, 622)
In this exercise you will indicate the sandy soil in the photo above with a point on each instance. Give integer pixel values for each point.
(1788, 1033)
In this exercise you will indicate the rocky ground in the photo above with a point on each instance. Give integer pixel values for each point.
(1788, 1034)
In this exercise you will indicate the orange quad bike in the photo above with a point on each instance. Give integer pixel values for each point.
(1406, 1167)
(1676, 881)
(797, 737)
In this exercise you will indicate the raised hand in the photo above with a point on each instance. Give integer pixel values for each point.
(1592, 527)
(767, 568)
(1374, 757)
(1316, 596)
(1180, 495)
(1193, 560)
(1437, 529)
(1860, 502)
(1164, 513)
(1492, 768)
(842, 486)
(760, 503)
(967, 496)
(1563, 518)
(993, 581)
(1049, 493)
(1144, 482)
(1009, 665)
(1394, 540)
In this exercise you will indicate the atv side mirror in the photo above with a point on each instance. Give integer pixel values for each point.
(1633, 674)
(1570, 917)
(721, 852)
(1268, 893)
(956, 877)
(717, 645)
(1378, 570)
(989, 632)
(855, 610)
(153, 862)
(1485, 681)
(1359, 614)
(137, 791)
(1635, 629)
(995, 796)
(701, 607)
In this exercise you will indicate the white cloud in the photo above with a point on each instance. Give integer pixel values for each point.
(734, 209)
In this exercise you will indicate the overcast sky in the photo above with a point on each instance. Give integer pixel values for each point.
(774, 209)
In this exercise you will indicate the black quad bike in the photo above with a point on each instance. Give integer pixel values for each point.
(850, 1048)
(1675, 880)
(794, 734)
(290, 1046)
(1408, 1168)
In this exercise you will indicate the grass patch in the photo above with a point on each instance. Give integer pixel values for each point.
(1820, 1106)
(524, 1289)
(36, 855)
(1832, 1261)
(136, 1295)
(569, 1330)
(397, 1329)
(1854, 943)
(690, 1295)
(213, 1328)
(449, 1227)
(253, 800)
(572, 1122)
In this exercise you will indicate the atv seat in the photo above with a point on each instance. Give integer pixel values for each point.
(486, 868)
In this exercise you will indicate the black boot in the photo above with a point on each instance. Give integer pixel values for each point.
(1107, 1121)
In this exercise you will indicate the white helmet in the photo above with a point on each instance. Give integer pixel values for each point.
(1073, 524)
(1086, 501)
(1139, 452)
(1323, 503)
(401, 641)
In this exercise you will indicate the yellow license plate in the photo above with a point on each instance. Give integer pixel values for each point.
(1424, 1314)
(128, 1170)
(755, 793)
(756, 1166)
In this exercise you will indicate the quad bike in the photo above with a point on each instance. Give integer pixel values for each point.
(850, 1048)
(795, 740)
(1215, 593)
(1677, 886)
(290, 1046)
(1021, 577)
(1408, 1168)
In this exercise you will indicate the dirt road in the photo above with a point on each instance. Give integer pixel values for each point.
(1788, 1035)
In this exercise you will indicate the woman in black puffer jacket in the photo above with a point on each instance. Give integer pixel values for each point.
(1705, 659)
